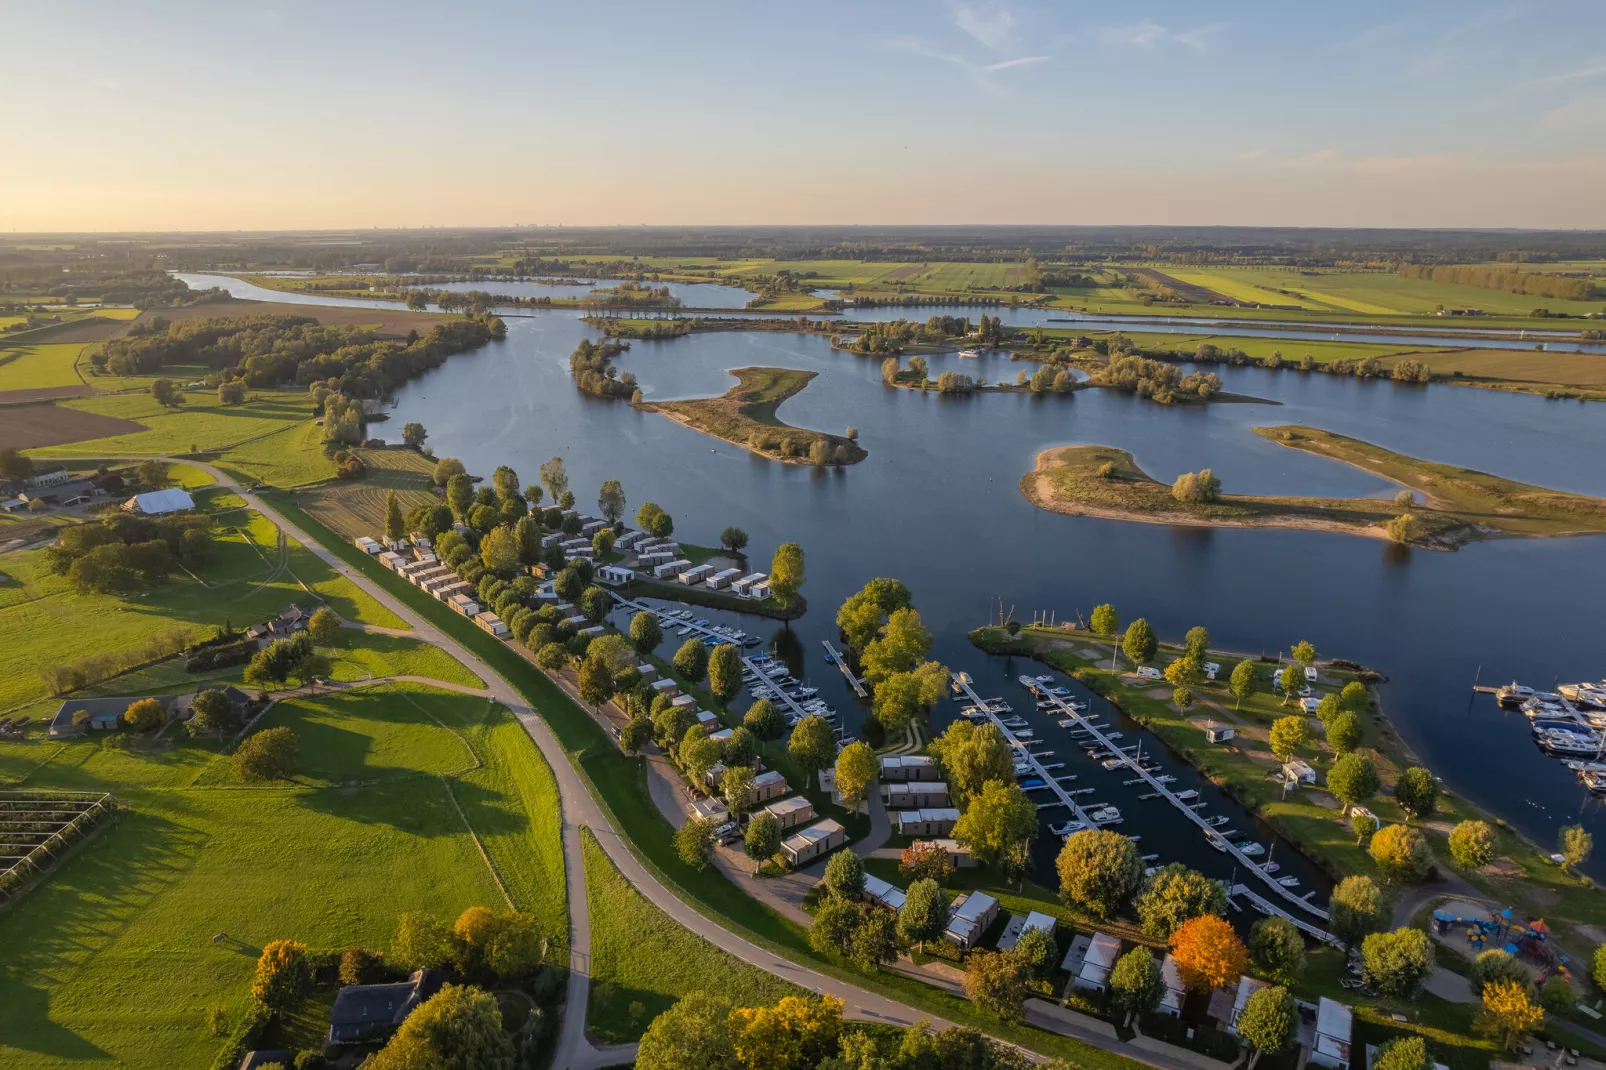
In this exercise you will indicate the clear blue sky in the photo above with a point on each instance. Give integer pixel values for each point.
(237, 116)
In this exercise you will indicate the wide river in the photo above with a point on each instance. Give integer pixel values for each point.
(937, 505)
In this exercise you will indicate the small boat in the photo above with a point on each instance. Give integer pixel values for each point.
(1288, 882)
(1066, 829)
(969, 354)
(1024, 733)
(1107, 815)
(1167, 779)
(752, 640)
(1112, 763)
(1217, 843)
(1250, 848)
(806, 692)
(1261, 907)
(1217, 821)
(1027, 682)
(829, 658)
(1271, 867)
(1513, 694)
(1033, 784)
(1150, 858)
(1186, 795)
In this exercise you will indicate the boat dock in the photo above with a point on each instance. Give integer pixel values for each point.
(837, 660)
(1193, 815)
(1066, 798)
(1267, 907)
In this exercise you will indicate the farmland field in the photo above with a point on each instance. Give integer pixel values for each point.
(1372, 293)
(112, 960)
(358, 507)
(30, 367)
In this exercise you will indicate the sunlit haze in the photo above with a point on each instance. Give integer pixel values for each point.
(258, 116)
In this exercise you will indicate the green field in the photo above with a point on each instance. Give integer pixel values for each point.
(1372, 293)
(112, 961)
(44, 622)
(44, 364)
(639, 956)
(271, 439)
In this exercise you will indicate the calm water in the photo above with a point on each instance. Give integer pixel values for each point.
(937, 505)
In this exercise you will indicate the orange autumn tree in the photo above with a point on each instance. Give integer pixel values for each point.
(1208, 953)
(795, 1034)
(1508, 1012)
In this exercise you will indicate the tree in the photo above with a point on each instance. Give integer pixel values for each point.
(856, 770)
(797, 1033)
(1242, 682)
(1472, 844)
(736, 785)
(1208, 953)
(812, 746)
(1276, 950)
(1344, 732)
(691, 660)
(1137, 983)
(998, 826)
(831, 933)
(897, 701)
(733, 539)
(764, 720)
(1416, 792)
(460, 495)
(1403, 1053)
(697, 753)
(1104, 620)
(1303, 653)
(395, 523)
(499, 550)
(875, 941)
(422, 942)
(1140, 643)
(1493, 966)
(1289, 681)
(636, 734)
(763, 837)
(1558, 996)
(1356, 907)
(694, 842)
(725, 672)
(924, 914)
(595, 604)
(1287, 736)
(645, 632)
(1268, 1022)
(1598, 966)
(1197, 642)
(1175, 894)
(145, 715)
(926, 860)
(413, 435)
(551, 657)
(786, 574)
(1364, 825)
(844, 876)
(903, 642)
(1353, 779)
(568, 584)
(1575, 845)
(996, 981)
(267, 755)
(458, 1028)
(14, 465)
(1099, 871)
(283, 976)
(213, 713)
(1353, 696)
(1397, 963)
(152, 473)
(652, 519)
(595, 682)
(554, 478)
(167, 393)
(693, 1034)
(361, 965)
(1509, 1013)
(1184, 672)
(1401, 853)
(446, 468)
(324, 627)
(969, 756)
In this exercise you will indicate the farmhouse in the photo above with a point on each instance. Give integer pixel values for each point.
(159, 502)
(365, 1013)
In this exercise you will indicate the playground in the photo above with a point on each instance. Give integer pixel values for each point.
(1473, 928)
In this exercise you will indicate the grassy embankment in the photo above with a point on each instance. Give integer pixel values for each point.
(745, 416)
(112, 958)
(620, 785)
(1461, 505)
(1521, 875)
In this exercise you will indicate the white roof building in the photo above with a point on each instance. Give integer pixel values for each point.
(1102, 952)
(1247, 986)
(1019, 926)
(1175, 990)
(160, 502)
(1332, 1044)
(882, 892)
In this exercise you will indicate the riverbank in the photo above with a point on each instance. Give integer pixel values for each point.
(745, 416)
(1460, 505)
(702, 596)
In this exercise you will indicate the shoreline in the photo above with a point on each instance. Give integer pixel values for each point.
(742, 410)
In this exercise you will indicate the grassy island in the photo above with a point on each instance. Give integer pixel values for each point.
(1459, 505)
(745, 415)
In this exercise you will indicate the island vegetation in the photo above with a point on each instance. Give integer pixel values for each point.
(745, 415)
(1457, 505)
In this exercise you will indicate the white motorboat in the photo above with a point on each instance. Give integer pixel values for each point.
(1112, 763)
(1288, 882)
(1251, 849)
(1186, 795)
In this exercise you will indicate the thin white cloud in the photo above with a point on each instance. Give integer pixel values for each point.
(1585, 113)
(990, 26)
(1582, 74)
(1149, 34)
(977, 72)
(1252, 154)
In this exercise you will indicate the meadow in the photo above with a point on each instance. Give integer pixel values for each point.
(358, 507)
(112, 961)
(44, 622)
(39, 365)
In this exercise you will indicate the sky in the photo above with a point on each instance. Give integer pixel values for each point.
(251, 116)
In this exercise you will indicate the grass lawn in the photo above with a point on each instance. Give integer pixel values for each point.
(640, 958)
(30, 367)
(44, 622)
(112, 960)
(356, 654)
(270, 438)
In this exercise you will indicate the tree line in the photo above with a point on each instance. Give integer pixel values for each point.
(1495, 278)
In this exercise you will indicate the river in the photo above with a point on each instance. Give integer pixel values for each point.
(937, 505)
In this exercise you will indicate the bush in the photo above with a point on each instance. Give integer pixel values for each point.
(361, 966)
(267, 755)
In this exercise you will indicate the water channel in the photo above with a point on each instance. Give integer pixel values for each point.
(937, 505)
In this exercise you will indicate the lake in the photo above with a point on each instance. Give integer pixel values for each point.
(937, 505)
